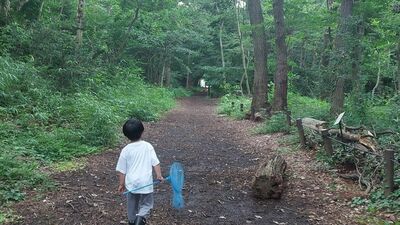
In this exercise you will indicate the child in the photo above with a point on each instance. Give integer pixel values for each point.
(134, 170)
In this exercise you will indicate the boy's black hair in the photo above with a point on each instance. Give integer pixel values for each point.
(133, 129)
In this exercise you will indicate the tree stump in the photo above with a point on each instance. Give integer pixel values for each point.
(268, 181)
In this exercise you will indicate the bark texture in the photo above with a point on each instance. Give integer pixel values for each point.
(79, 22)
(343, 61)
(245, 77)
(398, 64)
(260, 88)
(268, 181)
(221, 46)
(281, 75)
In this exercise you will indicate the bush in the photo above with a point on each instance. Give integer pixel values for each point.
(40, 125)
(181, 92)
(17, 173)
(277, 123)
(302, 106)
(233, 110)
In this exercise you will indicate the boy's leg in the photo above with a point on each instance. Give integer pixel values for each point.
(145, 205)
(133, 206)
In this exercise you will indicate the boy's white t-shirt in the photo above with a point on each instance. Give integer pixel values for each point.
(136, 161)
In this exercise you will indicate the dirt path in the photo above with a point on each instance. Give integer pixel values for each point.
(219, 158)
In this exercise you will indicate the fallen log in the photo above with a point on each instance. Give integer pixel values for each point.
(314, 124)
(268, 180)
(364, 139)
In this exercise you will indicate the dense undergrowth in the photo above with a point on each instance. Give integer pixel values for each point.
(230, 105)
(41, 124)
(377, 116)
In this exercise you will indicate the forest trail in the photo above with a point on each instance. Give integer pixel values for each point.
(219, 157)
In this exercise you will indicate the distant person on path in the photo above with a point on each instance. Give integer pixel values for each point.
(134, 168)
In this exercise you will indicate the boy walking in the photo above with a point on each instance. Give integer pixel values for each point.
(134, 168)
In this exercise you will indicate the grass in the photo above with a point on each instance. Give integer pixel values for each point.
(41, 126)
(374, 220)
(290, 139)
(277, 123)
(7, 216)
(303, 106)
(230, 105)
(67, 166)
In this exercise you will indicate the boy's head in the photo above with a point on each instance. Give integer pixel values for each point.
(133, 129)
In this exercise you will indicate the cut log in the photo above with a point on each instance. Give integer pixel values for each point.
(369, 143)
(346, 135)
(314, 124)
(268, 180)
(365, 140)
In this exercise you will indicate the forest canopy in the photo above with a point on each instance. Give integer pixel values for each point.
(72, 71)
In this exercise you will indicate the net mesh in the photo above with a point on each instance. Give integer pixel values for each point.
(176, 178)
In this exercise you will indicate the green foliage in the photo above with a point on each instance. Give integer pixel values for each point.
(230, 105)
(72, 165)
(59, 100)
(378, 115)
(7, 216)
(276, 124)
(40, 125)
(302, 106)
(16, 173)
(377, 201)
(181, 92)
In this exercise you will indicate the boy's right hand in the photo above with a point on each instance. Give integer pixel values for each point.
(121, 189)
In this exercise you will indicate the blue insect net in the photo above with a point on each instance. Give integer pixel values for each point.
(176, 178)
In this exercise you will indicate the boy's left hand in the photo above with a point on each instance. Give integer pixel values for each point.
(121, 189)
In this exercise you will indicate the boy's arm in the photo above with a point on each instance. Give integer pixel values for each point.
(157, 169)
(121, 178)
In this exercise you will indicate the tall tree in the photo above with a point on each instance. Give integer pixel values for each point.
(121, 47)
(260, 88)
(281, 75)
(221, 46)
(398, 64)
(327, 39)
(5, 8)
(342, 51)
(245, 76)
(79, 22)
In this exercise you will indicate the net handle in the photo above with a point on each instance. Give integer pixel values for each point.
(147, 185)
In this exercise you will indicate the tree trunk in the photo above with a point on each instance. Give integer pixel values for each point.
(268, 180)
(21, 4)
(245, 76)
(342, 53)
(357, 56)
(378, 80)
(221, 45)
(163, 74)
(188, 80)
(327, 47)
(260, 88)
(302, 55)
(338, 97)
(281, 75)
(398, 64)
(79, 23)
(168, 72)
(40, 10)
(125, 39)
(5, 9)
